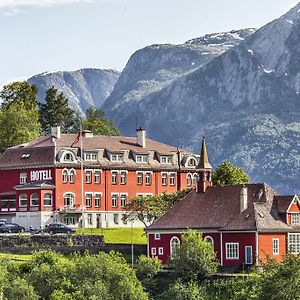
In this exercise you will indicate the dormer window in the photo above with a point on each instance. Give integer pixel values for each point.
(117, 157)
(192, 162)
(166, 159)
(68, 157)
(142, 159)
(25, 155)
(90, 156)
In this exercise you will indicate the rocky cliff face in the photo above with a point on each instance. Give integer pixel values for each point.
(83, 88)
(244, 98)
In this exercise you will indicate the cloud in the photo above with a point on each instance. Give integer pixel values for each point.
(40, 3)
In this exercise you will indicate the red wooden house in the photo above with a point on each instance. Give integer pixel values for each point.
(244, 223)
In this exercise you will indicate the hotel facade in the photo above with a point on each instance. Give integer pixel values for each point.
(56, 177)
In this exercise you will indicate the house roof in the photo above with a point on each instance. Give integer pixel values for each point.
(44, 151)
(283, 203)
(219, 208)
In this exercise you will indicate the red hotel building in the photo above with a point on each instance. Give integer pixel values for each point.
(40, 181)
(244, 223)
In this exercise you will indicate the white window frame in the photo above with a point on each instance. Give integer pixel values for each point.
(294, 239)
(117, 157)
(229, 248)
(210, 240)
(275, 246)
(172, 179)
(141, 158)
(123, 177)
(157, 236)
(51, 199)
(114, 200)
(72, 155)
(37, 198)
(189, 179)
(160, 251)
(114, 177)
(122, 195)
(91, 156)
(295, 218)
(88, 176)
(97, 176)
(90, 219)
(153, 251)
(98, 198)
(72, 174)
(23, 178)
(139, 178)
(148, 178)
(65, 175)
(88, 199)
(72, 199)
(23, 199)
(166, 159)
(164, 178)
(172, 246)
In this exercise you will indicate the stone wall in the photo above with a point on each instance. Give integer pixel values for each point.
(27, 244)
(49, 241)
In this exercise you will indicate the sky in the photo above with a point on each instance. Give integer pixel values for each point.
(49, 35)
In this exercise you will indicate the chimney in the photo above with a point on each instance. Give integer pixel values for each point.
(87, 133)
(141, 137)
(243, 198)
(55, 132)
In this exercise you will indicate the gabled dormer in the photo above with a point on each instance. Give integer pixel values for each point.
(115, 156)
(288, 207)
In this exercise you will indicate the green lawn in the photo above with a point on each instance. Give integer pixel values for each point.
(16, 257)
(119, 235)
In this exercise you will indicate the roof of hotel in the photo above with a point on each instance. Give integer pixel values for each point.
(219, 208)
(44, 151)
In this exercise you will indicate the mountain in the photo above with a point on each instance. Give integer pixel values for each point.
(244, 99)
(83, 88)
(155, 67)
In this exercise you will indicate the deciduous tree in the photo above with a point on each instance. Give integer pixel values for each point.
(18, 125)
(148, 209)
(195, 259)
(227, 173)
(20, 93)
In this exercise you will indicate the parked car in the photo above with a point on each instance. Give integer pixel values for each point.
(11, 228)
(59, 228)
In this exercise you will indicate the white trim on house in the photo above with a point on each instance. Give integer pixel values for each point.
(293, 200)
(221, 246)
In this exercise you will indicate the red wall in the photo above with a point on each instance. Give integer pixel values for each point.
(244, 239)
(165, 239)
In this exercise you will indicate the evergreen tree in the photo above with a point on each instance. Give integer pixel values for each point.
(56, 112)
(97, 122)
(19, 92)
(226, 173)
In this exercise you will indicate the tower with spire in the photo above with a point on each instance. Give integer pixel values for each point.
(204, 170)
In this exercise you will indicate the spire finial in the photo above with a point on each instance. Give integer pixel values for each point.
(203, 161)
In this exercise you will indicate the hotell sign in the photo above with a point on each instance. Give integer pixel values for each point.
(40, 175)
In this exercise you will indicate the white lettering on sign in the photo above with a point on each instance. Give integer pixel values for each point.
(40, 175)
